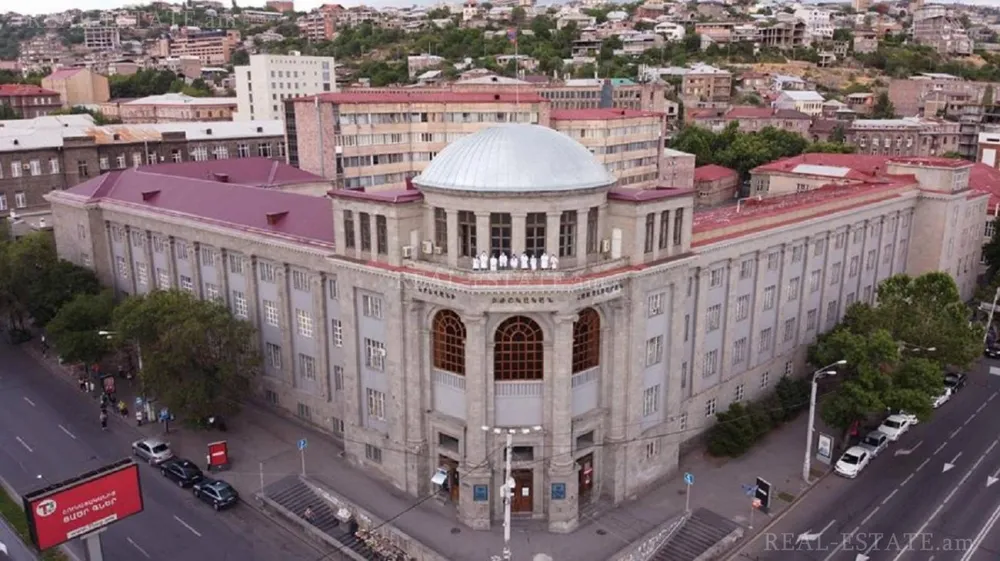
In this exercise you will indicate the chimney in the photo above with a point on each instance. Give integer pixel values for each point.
(221, 177)
(275, 218)
(148, 195)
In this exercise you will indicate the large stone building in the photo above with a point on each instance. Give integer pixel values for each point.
(29, 101)
(910, 136)
(263, 85)
(394, 319)
(171, 108)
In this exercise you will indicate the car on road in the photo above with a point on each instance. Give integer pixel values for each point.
(895, 426)
(874, 442)
(182, 472)
(992, 351)
(941, 399)
(217, 493)
(955, 380)
(153, 450)
(852, 462)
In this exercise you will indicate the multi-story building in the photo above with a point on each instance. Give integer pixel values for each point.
(706, 84)
(102, 37)
(172, 108)
(749, 118)
(715, 185)
(927, 94)
(593, 93)
(29, 101)
(783, 35)
(628, 142)
(280, 5)
(395, 322)
(263, 85)
(677, 170)
(808, 102)
(78, 86)
(933, 26)
(53, 153)
(912, 136)
(260, 17)
(212, 47)
(317, 26)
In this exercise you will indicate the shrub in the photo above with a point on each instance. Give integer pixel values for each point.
(793, 393)
(733, 434)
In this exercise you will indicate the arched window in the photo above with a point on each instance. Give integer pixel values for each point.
(517, 352)
(586, 340)
(449, 342)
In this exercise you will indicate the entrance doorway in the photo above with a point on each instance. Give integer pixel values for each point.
(522, 502)
(451, 483)
(585, 475)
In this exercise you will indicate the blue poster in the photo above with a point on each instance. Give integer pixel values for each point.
(558, 491)
(480, 493)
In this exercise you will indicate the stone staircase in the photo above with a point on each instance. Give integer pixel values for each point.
(616, 523)
(295, 496)
(702, 531)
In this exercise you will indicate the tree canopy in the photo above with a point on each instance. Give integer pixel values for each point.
(197, 358)
(74, 329)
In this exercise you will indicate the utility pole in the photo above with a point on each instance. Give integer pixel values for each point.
(507, 490)
(825, 371)
(989, 321)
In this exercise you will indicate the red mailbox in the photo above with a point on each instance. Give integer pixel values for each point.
(218, 456)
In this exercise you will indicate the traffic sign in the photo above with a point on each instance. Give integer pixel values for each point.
(689, 479)
(749, 490)
(303, 444)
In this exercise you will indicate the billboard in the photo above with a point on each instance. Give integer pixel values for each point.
(83, 504)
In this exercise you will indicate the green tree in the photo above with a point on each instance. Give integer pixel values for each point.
(991, 254)
(838, 135)
(883, 109)
(197, 358)
(830, 148)
(240, 58)
(74, 329)
(100, 119)
(8, 113)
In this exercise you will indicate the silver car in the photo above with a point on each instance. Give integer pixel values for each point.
(875, 442)
(153, 450)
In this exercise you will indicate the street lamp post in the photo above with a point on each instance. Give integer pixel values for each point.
(825, 371)
(507, 490)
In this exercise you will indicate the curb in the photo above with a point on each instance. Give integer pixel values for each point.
(773, 521)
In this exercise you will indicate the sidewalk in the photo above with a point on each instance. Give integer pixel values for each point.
(263, 450)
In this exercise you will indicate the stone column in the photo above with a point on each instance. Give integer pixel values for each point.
(685, 229)
(475, 466)
(671, 249)
(131, 284)
(147, 252)
(286, 321)
(552, 221)
(373, 237)
(222, 275)
(563, 514)
(415, 376)
(453, 257)
(728, 319)
(172, 262)
(321, 324)
(194, 254)
(701, 279)
(482, 232)
(616, 442)
(111, 258)
(253, 300)
(581, 256)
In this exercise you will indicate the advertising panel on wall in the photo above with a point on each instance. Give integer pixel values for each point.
(83, 504)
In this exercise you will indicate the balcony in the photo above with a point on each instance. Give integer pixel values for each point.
(518, 403)
(585, 390)
(448, 393)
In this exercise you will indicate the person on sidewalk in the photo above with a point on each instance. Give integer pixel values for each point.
(122, 409)
(82, 381)
(138, 417)
(309, 516)
(104, 419)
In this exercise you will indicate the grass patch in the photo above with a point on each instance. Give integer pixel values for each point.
(12, 513)
(787, 497)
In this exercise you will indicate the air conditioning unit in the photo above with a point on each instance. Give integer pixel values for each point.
(407, 252)
(438, 250)
(605, 246)
(427, 247)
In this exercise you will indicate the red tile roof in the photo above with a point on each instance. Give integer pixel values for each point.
(301, 218)
(646, 195)
(713, 172)
(252, 172)
(749, 112)
(7, 90)
(443, 96)
(64, 73)
(602, 114)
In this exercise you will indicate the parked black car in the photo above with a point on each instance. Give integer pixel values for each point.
(182, 472)
(955, 380)
(992, 351)
(217, 493)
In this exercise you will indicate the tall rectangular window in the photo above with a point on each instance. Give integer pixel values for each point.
(381, 235)
(441, 229)
(567, 233)
(592, 230)
(348, 229)
(365, 220)
(467, 233)
(534, 233)
(664, 228)
(500, 233)
(678, 226)
(650, 230)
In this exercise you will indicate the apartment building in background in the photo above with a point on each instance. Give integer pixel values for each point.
(171, 108)
(102, 37)
(912, 136)
(928, 94)
(749, 118)
(263, 85)
(318, 26)
(56, 152)
(29, 101)
(212, 47)
(78, 86)
(706, 85)
(935, 27)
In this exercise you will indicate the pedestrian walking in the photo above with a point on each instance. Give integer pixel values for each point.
(122, 409)
(104, 419)
(138, 417)
(82, 382)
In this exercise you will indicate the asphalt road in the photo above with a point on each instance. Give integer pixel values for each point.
(49, 432)
(926, 505)
(16, 550)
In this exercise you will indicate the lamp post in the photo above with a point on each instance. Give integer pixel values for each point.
(138, 350)
(825, 371)
(507, 490)
(904, 346)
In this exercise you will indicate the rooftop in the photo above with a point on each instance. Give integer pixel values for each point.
(713, 172)
(7, 90)
(803, 95)
(181, 99)
(302, 218)
(64, 73)
(425, 97)
(251, 172)
(601, 114)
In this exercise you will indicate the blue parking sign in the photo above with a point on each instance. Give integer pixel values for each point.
(303, 443)
(689, 479)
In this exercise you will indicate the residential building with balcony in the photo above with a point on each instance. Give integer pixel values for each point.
(395, 321)
(628, 142)
(29, 101)
(102, 37)
(318, 26)
(212, 47)
(808, 102)
(704, 84)
(935, 27)
(263, 85)
(749, 118)
(913, 136)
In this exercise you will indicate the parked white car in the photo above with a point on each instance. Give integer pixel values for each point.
(874, 442)
(852, 462)
(153, 450)
(895, 426)
(942, 399)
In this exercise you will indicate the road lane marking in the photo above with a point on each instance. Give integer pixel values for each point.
(891, 495)
(843, 542)
(907, 480)
(938, 510)
(31, 403)
(969, 420)
(869, 517)
(954, 433)
(907, 452)
(981, 407)
(950, 465)
(65, 430)
(141, 550)
(23, 443)
(992, 396)
(943, 444)
(990, 522)
(922, 464)
(808, 536)
(185, 524)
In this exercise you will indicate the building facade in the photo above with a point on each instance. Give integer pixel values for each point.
(174, 108)
(78, 86)
(706, 84)
(263, 86)
(213, 48)
(29, 101)
(913, 136)
(627, 321)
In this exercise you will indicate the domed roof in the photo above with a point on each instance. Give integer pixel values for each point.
(515, 158)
